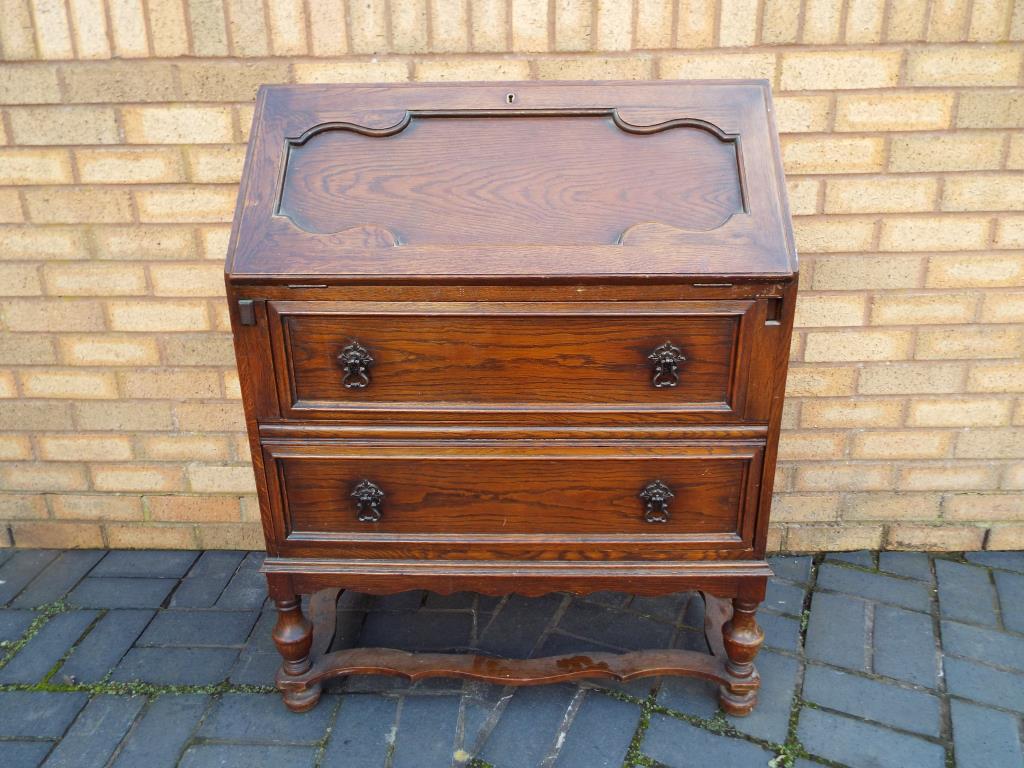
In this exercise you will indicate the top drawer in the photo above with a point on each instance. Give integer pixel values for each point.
(333, 357)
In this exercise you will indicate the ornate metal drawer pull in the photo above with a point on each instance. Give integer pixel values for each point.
(656, 497)
(666, 359)
(356, 360)
(369, 498)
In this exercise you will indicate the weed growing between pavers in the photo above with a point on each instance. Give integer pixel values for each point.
(46, 612)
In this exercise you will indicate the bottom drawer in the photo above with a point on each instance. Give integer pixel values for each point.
(705, 491)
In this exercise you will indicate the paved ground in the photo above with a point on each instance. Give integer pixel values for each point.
(164, 658)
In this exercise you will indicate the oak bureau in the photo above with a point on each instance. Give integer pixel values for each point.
(514, 338)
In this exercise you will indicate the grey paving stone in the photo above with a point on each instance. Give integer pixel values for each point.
(770, 719)
(965, 592)
(836, 631)
(176, 666)
(516, 628)
(205, 582)
(20, 568)
(678, 744)
(689, 695)
(199, 628)
(58, 577)
(264, 717)
(780, 632)
(984, 644)
(479, 702)
(1011, 561)
(538, 712)
(14, 623)
(600, 733)
(912, 564)
(38, 714)
(247, 756)
(982, 683)
(426, 732)
(457, 601)
(784, 597)
(875, 586)
(904, 646)
(247, 589)
(363, 731)
(92, 738)
(147, 563)
(888, 704)
(614, 628)
(1010, 589)
(48, 646)
(610, 599)
(665, 607)
(104, 646)
(420, 631)
(411, 600)
(256, 669)
(862, 745)
(160, 734)
(24, 754)
(862, 558)
(985, 738)
(791, 567)
(93, 592)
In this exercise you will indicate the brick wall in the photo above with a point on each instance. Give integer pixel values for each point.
(121, 143)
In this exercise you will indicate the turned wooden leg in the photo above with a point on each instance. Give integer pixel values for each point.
(293, 636)
(742, 638)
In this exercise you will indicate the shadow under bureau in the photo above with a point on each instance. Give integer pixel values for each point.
(514, 338)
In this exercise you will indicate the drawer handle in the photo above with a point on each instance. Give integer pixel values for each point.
(665, 360)
(368, 498)
(656, 497)
(356, 360)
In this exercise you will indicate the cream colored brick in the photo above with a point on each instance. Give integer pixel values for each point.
(472, 69)
(820, 381)
(779, 24)
(216, 165)
(844, 413)
(947, 19)
(856, 344)
(907, 20)
(1003, 308)
(170, 384)
(35, 166)
(45, 477)
(219, 81)
(114, 82)
(144, 243)
(866, 272)
(891, 506)
(916, 443)
(832, 538)
(594, 68)
(17, 30)
(108, 350)
(991, 109)
(961, 151)
(287, 19)
(221, 479)
(57, 535)
(969, 342)
(822, 21)
(984, 506)
(137, 478)
(409, 26)
(128, 28)
(238, 536)
(199, 349)
(829, 309)
(208, 24)
(805, 507)
(151, 316)
(327, 27)
(832, 235)
(803, 196)
(51, 315)
(26, 349)
(167, 25)
(1009, 231)
(186, 204)
(53, 33)
(1015, 153)
(811, 445)
(184, 448)
(1006, 537)
(123, 416)
(708, 66)
(89, 25)
(41, 244)
(833, 154)
(964, 65)
(187, 279)
(151, 536)
(391, 71)
(489, 26)
(11, 209)
(84, 447)
(864, 21)
(843, 476)
(193, 509)
(78, 205)
(988, 20)
(215, 417)
(995, 443)
(449, 25)
(737, 23)
(368, 26)
(247, 27)
(94, 279)
(1014, 477)
(232, 385)
(983, 192)
(653, 24)
(894, 111)
(1005, 376)
(613, 28)
(30, 415)
(220, 316)
(129, 166)
(21, 506)
(214, 242)
(911, 378)
(802, 114)
(178, 124)
(696, 24)
(922, 309)
(82, 385)
(14, 448)
(947, 477)
(880, 195)
(19, 280)
(934, 233)
(977, 271)
(934, 538)
(839, 69)
(959, 412)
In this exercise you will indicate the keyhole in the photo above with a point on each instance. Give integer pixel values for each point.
(510, 97)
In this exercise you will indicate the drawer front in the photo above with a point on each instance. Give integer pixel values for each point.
(333, 357)
(689, 493)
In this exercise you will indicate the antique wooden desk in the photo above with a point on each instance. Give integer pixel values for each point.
(514, 337)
